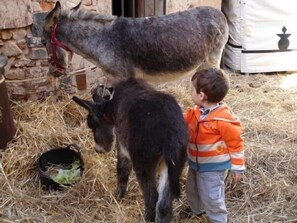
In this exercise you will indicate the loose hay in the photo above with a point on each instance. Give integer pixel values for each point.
(267, 194)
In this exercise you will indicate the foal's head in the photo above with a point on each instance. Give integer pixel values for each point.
(100, 121)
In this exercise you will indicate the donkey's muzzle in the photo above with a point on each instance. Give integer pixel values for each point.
(56, 71)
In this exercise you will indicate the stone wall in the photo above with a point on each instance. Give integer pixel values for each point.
(26, 73)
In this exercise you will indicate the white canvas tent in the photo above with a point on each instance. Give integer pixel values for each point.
(262, 35)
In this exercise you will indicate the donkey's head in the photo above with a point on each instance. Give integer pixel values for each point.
(59, 54)
(100, 121)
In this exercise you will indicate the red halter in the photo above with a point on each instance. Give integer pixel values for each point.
(55, 42)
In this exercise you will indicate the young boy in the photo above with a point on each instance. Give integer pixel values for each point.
(215, 145)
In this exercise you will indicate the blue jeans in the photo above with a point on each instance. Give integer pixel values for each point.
(206, 192)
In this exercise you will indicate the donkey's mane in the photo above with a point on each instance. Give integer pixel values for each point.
(83, 14)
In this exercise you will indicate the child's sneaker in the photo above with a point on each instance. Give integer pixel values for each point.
(187, 213)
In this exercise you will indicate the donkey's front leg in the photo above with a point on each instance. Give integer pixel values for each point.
(124, 167)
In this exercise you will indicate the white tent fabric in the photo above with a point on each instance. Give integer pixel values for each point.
(262, 35)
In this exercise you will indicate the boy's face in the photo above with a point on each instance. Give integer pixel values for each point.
(198, 98)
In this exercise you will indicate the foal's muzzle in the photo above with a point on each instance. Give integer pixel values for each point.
(99, 149)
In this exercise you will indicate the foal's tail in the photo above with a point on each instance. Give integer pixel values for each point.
(175, 159)
(173, 175)
(169, 187)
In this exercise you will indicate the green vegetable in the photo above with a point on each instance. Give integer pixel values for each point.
(67, 175)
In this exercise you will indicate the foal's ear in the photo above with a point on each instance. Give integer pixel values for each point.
(77, 7)
(52, 17)
(89, 105)
(98, 99)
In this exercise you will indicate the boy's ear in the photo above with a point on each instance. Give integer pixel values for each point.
(203, 95)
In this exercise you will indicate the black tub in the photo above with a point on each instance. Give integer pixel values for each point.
(63, 156)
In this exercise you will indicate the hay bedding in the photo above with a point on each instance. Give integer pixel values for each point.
(267, 194)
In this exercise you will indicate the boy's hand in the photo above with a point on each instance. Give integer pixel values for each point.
(236, 178)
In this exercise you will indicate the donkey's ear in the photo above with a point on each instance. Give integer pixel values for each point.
(52, 17)
(89, 105)
(77, 7)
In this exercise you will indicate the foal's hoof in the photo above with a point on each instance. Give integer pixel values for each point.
(150, 217)
(120, 193)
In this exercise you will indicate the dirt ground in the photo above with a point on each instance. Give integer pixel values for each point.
(265, 103)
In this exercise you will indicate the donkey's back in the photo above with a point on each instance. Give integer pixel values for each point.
(154, 47)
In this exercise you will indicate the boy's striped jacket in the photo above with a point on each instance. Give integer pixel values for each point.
(215, 142)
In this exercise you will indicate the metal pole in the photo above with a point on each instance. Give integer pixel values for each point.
(143, 8)
(154, 7)
(133, 8)
(164, 7)
(123, 8)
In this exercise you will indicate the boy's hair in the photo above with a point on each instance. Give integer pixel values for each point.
(212, 82)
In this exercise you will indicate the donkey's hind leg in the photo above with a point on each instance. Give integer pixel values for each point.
(213, 60)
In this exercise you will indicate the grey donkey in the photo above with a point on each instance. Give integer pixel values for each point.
(157, 49)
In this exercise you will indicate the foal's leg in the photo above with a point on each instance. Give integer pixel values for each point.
(145, 174)
(164, 205)
(124, 167)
